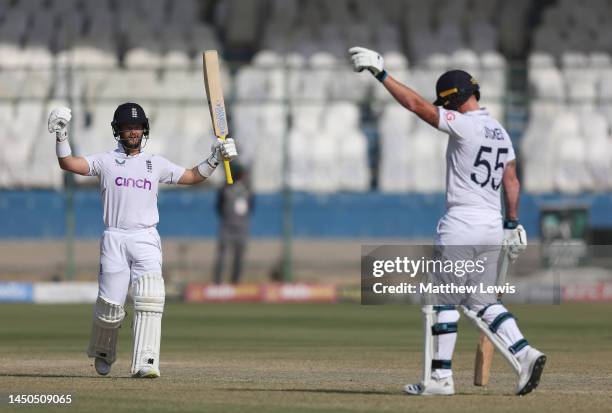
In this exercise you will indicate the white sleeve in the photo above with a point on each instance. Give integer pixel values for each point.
(95, 163)
(455, 124)
(170, 173)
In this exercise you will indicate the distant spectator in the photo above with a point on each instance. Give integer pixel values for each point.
(234, 206)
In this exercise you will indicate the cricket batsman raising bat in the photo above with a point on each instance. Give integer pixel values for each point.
(480, 160)
(130, 248)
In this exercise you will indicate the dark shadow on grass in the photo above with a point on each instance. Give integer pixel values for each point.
(330, 391)
(61, 376)
(364, 392)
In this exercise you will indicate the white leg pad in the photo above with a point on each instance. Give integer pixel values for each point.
(149, 296)
(428, 344)
(495, 339)
(107, 319)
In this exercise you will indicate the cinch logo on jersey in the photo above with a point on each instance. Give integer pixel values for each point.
(134, 183)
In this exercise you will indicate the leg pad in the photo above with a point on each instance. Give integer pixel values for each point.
(105, 329)
(149, 296)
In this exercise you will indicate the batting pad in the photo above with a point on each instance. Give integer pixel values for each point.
(429, 316)
(149, 296)
(495, 339)
(107, 319)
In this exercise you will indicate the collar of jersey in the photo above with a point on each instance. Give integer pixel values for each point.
(121, 152)
(479, 112)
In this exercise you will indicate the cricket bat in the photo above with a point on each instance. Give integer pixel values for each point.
(216, 104)
(484, 359)
(485, 349)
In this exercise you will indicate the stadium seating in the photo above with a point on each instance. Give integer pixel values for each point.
(570, 79)
(297, 82)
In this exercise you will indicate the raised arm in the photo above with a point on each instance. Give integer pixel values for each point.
(512, 189)
(220, 150)
(76, 164)
(363, 58)
(58, 124)
(412, 101)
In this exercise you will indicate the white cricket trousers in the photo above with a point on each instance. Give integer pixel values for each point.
(465, 234)
(124, 257)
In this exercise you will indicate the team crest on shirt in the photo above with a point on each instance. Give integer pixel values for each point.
(149, 166)
(450, 116)
(119, 162)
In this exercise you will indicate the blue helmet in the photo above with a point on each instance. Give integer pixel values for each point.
(129, 113)
(454, 87)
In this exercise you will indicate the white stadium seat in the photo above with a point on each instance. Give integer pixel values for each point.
(175, 59)
(605, 87)
(396, 155)
(270, 66)
(571, 174)
(268, 153)
(11, 83)
(492, 77)
(251, 84)
(467, 60)
(140, 57)
(20, 135)
(547, 83)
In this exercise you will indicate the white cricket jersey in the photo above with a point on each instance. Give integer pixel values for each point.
(478, 150)
(129, 186)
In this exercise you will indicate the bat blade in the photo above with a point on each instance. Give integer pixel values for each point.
(484, 359)
(216, 103)
(214, 92)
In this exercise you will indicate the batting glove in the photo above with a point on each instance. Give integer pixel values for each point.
(363, 58)
(228, 149)
(59, 118)
(222, 150)
(515, 239)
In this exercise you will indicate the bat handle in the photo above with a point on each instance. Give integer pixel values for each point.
(228, 171)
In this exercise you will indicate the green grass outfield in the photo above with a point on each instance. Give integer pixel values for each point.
(298, 358)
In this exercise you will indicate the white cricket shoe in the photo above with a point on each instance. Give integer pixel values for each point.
(147, 372)
(532, 365)
(102, 366)
(435, 387)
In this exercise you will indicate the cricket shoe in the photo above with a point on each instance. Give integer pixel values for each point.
(435, 387)
(102, 366)
(532, 365)
(147, 372)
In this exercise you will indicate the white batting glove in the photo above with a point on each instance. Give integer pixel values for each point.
(59, 118)
(363, 58)
(222, 150)
(515, 239)
(228, 149)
